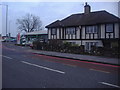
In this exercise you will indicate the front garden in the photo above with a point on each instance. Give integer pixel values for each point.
(66, 47)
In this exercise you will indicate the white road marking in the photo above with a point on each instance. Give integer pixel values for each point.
(43, 67)
(109, 84)
(99, 70)
(6, 57)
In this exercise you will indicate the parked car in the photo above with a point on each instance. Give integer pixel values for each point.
(31, 45)
(6, 40)
(12, 40)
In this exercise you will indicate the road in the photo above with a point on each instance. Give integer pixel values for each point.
(23, 69)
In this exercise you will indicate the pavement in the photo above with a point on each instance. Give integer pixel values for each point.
(88, 58)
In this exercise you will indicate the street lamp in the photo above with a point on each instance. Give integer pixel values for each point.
(6, 15)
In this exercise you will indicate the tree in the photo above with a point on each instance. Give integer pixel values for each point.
(29, 23)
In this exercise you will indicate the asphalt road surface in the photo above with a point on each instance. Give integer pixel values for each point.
(23, 69)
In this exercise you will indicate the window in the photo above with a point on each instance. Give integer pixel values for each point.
(73, 43)
(94, 43)
(109, 27)
(70, 30)
(91, 29)
(88, 45)
(95, 29)
(67, 31)
(53, 31)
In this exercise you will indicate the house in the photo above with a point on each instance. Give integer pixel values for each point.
(41, 35)
(99, 28)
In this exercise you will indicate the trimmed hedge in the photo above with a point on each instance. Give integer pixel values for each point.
(58, 46)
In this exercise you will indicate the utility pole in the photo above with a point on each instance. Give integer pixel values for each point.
(6, 16)
(9, 34)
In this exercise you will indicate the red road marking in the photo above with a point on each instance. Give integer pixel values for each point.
(77, 60)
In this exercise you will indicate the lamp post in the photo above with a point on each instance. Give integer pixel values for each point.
(9, 34)
(9, 27)
(6, 16)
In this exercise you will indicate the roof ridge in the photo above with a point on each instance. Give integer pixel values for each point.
(90, 12)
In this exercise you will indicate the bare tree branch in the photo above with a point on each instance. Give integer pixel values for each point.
(29, 23)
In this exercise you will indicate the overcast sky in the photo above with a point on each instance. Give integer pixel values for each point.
(49, 11)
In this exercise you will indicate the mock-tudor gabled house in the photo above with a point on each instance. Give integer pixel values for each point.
(99, 28)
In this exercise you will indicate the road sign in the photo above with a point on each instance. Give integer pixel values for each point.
(18, 38)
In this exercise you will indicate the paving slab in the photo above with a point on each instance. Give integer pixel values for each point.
(98, 59)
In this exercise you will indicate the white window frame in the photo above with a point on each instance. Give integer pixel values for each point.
(70, 30)
(91, 29)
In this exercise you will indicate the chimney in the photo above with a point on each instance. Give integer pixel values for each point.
(87, 8)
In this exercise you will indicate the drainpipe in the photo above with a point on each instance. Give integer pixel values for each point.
(80, 28)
